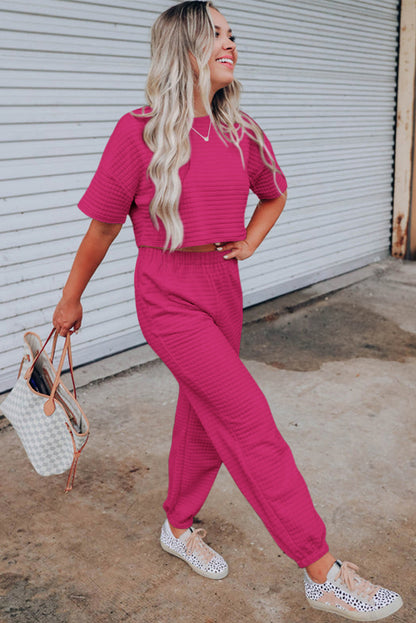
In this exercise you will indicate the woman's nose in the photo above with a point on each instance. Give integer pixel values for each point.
(229, 45)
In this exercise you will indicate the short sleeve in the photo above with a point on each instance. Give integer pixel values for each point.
(111, 192)
(263, 182)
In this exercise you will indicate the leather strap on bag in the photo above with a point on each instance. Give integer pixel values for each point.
(49, 406)
(69, 350)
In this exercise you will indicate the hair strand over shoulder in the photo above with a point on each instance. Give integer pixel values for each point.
(183, 30)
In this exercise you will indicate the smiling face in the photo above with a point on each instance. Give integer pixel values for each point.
(224, 55)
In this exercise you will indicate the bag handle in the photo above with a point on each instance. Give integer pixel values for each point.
(71, 368)
(55, 339)
(49, 406)
(30, 369)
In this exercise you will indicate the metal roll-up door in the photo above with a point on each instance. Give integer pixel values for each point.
(70, 69)
(319, 77)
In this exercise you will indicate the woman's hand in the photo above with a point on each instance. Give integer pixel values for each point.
(264, 217)
(67, 316)
(240, 249)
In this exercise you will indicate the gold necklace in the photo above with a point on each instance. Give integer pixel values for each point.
(206, 138)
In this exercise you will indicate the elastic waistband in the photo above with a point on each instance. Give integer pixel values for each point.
(185, 258)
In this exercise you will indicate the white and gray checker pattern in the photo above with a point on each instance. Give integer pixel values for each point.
(46, 439)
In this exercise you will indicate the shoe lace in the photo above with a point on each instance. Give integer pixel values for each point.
(349, 576)
(197, 545)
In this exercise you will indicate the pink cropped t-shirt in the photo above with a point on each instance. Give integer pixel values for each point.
(215, 185)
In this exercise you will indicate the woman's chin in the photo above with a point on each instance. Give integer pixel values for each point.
(223, 84)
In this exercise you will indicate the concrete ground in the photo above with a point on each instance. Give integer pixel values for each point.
(337, 362)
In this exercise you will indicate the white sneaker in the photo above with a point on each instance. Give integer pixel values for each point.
(193, 550)
(347, 594)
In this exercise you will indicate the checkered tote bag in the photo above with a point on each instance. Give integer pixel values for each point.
(44, 413)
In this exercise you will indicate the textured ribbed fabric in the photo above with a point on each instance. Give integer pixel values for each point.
(215, 184)
(189, 307)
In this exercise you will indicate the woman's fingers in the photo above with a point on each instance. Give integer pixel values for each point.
(67, 317)
(64, 330)
(239, 249)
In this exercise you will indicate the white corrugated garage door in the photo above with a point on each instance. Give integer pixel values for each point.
(319, 77)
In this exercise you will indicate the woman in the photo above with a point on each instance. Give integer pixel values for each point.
(182, 169)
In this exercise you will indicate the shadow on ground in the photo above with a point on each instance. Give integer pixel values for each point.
(328, 331)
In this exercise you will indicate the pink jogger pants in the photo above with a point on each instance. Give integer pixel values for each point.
(189, 307)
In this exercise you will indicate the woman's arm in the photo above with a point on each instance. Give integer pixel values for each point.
(264, 217)
(91, 252)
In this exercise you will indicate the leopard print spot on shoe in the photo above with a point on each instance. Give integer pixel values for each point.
(191, 548)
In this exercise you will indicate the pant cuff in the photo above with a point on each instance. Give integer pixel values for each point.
(311, 558)
(181, 525)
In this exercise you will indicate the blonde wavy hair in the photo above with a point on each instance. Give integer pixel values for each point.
(182, 30)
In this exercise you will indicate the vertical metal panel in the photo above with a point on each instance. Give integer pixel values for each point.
(320, 78)
(403, 224)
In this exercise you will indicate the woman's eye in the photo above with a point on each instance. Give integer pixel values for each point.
(231, 38)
